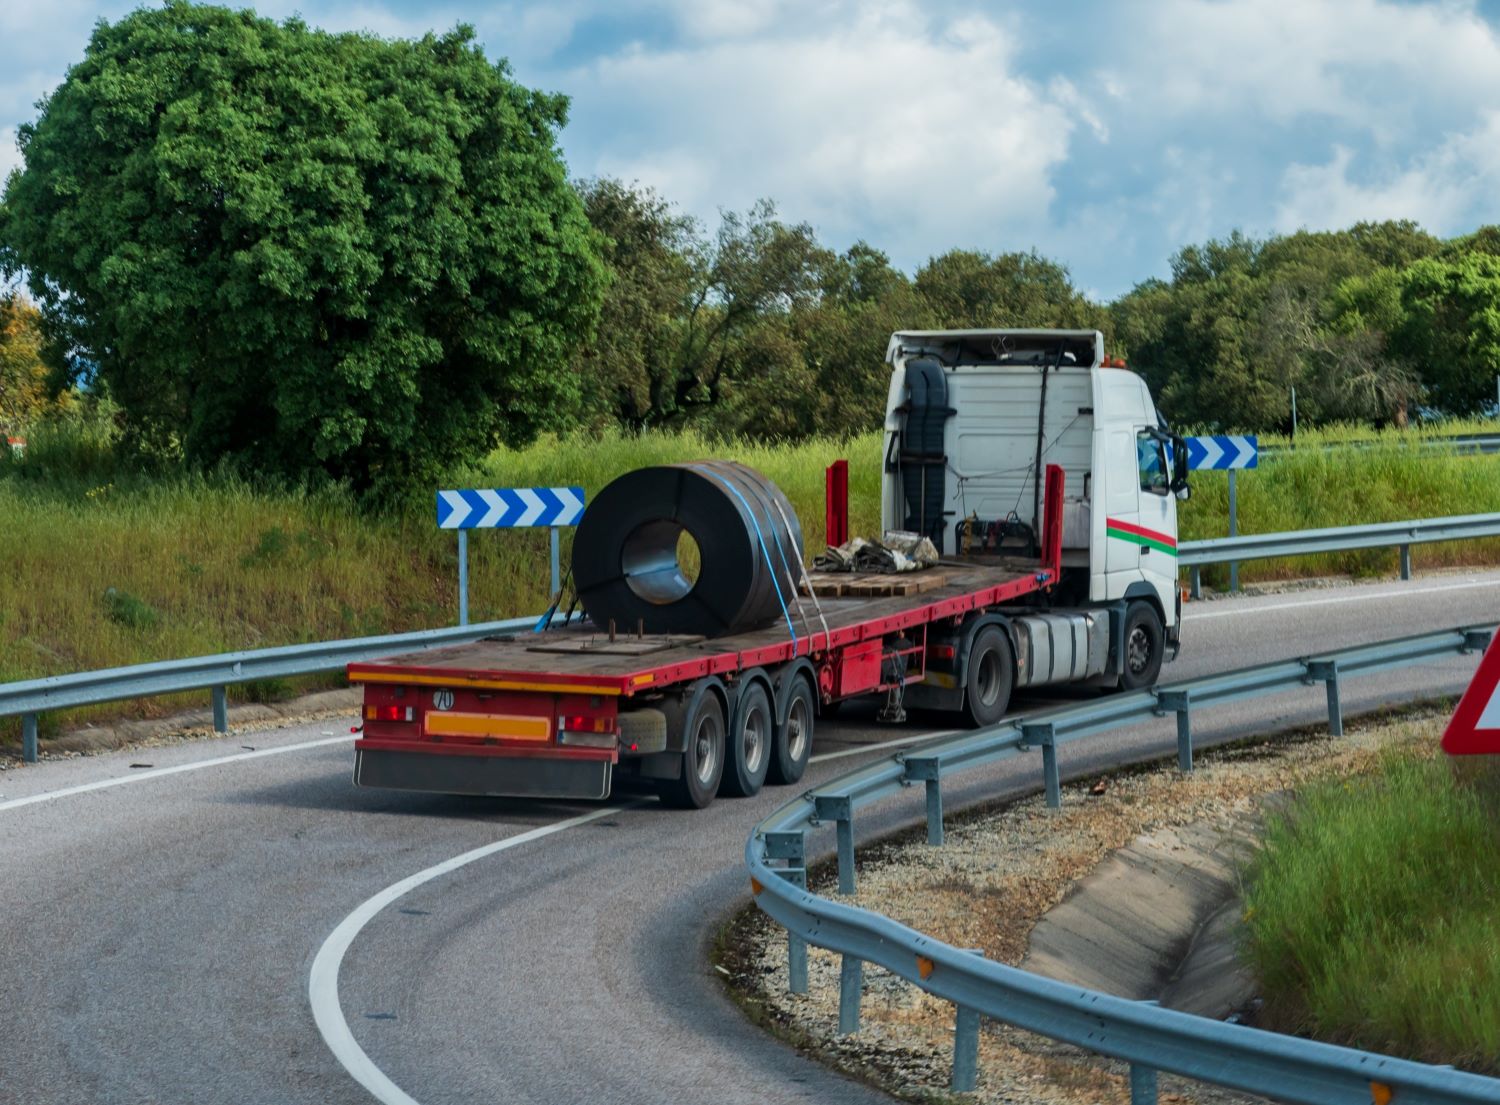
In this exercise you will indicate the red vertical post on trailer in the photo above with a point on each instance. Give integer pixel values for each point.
(1052, 520)
(836, 502)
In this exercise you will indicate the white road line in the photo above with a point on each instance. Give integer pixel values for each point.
(323, 982)
(157, 773)
(1366, 596)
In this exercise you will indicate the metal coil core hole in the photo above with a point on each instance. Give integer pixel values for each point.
(660, 561)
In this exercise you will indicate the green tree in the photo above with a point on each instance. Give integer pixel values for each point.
(305, 251)
(1449, 329)
(23, 373)
(656, 262)
(1242, 322)
(967, 288)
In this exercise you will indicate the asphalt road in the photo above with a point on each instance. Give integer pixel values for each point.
(160, 936)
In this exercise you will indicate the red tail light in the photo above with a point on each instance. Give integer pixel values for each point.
(388, 713)
(580, 724)
(943, 652)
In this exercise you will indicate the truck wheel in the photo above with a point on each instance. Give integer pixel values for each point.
(1145, 645)
(991, 677)
(749, 751)
(794, 736)
(703, 757)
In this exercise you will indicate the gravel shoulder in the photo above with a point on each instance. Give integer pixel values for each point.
(1001, 871)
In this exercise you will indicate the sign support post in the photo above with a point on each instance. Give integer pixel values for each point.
(508, 508)
(1234, 531)
(463, 577)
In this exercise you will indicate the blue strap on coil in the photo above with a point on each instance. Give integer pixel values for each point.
(765, 552)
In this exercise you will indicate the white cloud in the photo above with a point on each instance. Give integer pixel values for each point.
(1448, 189)
(10, 157)
(1368, 62)
(918, 135)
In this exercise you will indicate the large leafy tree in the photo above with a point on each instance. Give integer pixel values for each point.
(657, 267)
(1449, 328)
(969, 288)
(23, 374)
(304, 250)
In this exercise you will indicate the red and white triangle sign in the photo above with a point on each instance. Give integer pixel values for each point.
(1475, 728)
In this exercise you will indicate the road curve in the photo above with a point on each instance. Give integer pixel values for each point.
(160, 935)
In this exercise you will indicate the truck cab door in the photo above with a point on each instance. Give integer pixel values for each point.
(1141, 520)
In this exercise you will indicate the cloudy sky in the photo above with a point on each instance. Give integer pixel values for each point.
(1104, 133)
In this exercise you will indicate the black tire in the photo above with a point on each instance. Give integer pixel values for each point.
(1145, 647)
(752, 738)
(990, 677)
(703, 756)
(794, 736)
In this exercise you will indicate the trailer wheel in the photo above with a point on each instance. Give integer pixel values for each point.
(794, 736)
(748, 755)
(702, 757)
(990, 678)
(1145, 647)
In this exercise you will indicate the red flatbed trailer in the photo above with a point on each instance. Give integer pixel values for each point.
(552, 714)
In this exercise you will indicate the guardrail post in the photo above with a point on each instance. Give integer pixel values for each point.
(840, 809)
(28, 738)
(1328, 672)
(1195, 586)
(1142, 1085)
(965, 1050)
(966, 1043)
(1177, 701)
(792, 847)
(1044, 736)
(221, 710)
(1476, 640)
(925, 769)
(1405, 561)
(851, 986)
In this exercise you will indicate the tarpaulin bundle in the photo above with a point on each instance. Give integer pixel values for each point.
(626, 565)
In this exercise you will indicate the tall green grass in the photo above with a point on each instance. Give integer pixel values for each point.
(101, 565)
(1371, 915)
(1312, 488)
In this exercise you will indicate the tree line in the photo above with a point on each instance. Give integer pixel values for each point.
(296, 251)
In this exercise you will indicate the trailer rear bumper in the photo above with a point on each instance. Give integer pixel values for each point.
(396, 766)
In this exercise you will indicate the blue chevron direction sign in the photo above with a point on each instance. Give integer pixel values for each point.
(1218, 451)
(509, 507)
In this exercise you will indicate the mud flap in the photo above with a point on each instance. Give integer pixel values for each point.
(500, 776)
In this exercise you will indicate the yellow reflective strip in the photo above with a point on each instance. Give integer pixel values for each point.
(462, 681)
(649, 677)
(441, 723)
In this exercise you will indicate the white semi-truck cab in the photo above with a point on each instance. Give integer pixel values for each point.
(973, 420)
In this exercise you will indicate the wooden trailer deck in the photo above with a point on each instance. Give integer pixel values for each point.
(582, 659)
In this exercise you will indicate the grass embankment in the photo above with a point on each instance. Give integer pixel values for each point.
(1371, 915)
(100, 567)
(1314, 487)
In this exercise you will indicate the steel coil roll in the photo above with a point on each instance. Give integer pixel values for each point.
(625, 553)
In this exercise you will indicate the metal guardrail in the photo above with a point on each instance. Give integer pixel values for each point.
(32, 697)
(1454, 443)
(1193, 555)
(1148, 1037)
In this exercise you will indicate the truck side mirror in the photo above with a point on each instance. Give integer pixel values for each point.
(1180, 486)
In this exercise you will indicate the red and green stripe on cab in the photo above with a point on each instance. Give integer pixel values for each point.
(1140, 535)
